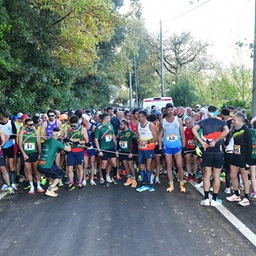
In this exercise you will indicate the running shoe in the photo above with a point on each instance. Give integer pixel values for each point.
(170, 188)
(40, 190)
(106, 184)
(233, 198)
(139, 178)
(87, 177)
(118, 176)
(14, 186)
(4, 187)
(43, 181)
(150, 188)
(115, 180)
(108, 179)
(216, 202)
(134, 184)
(182, 188)
(92, 183)
(80, 186)
(10, 190)
(61, 183)
(95, 177)
(31, 191)
(67, 180)
(205, 202)
(244, 202)
(128, 181)
(55, 188)
(227, 191)
(27, 186)
(253, 194)
(157, 181)
(200, 185)
(70, 187)
(152, 177)
(84, 183)
(190, 178)
(101, 181)
(195, 178)
(51, 193)
(142, 188)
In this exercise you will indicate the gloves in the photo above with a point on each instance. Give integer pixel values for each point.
(66, 140)
(88, 145)
(199, 152)
(75, 143)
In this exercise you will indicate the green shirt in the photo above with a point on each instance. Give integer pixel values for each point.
(253, 133)
(29, 142)
(125, 141)
(104, 134)
(49, 150)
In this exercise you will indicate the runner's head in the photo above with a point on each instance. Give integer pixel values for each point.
(124, 125)
(238, 119)
(56, 133)
(74, 122)
(212, 111)
(29, 124)
(51, 114)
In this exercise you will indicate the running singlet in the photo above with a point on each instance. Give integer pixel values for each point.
(171, 130)
(7, 128)
(104, 133)
(189, 138)
(91, 134)
(125, 141)
(50, 127)
(49, 149)
(76, 135)
(133, 127)
(145, 134)
(29, 142)
(212, 128)
(253, 133)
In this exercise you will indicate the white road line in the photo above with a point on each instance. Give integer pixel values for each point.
(233, 219)
(2, 195)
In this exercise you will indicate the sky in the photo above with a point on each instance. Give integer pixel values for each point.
(219, 22)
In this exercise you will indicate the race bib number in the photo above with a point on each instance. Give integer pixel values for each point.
(108, 138)
(172, 137)
(29, 146)
(123, 144)
(237, 149)
(191, 142)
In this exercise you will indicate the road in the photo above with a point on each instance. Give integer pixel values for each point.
(120, 221)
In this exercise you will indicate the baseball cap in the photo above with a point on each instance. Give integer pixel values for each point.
(19, 115)
(86, 117)
(63, 117)
(36, 119)
(24, 116)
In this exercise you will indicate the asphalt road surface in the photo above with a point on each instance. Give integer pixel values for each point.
(120, 221)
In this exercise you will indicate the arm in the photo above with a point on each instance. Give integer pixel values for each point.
(14, 130)
(195, 130)
(20, 138)
(43, 131)
(38, 143)
(182, 134)
(160, 135)
(3, 141)
(153, 130)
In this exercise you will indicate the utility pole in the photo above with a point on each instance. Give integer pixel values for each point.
(135, 81)
(130, 86)
(162, 60)
(254, 69)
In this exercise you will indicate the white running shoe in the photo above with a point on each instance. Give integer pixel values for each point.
(200, 185)
(152, 178)
(227, 191)
(157, 181)
(244, 202)
(101, 180)
(4, 187)
(84, 183)
(92, 183)
(205, 202)
(108, 179)
(14, 186)
(233, 198)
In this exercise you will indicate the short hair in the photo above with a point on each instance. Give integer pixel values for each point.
(6, 114)
(125, 122)
(240, 116)
(188, 118)
(225, 112)
(109, 108)
(134, 111)
(144, 113)
(79, 113)
(51, 111)
(152, 117)
(73, 119)
(104, 115)
(56, 129)
(28, 120)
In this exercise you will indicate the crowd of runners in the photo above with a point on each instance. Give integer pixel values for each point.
(97, 147)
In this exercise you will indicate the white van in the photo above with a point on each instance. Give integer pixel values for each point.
(157, 102)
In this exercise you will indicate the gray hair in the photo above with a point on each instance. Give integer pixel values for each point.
(240, 116)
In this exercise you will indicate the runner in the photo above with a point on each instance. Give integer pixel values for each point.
(146, 137)
(214, 131)
(241, 158)
(172, 140)
(46, 164)
(125, 150)
(30, 147)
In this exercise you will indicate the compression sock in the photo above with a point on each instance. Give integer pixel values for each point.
(206, 194)
(142, 174)
(214, 196)
(149, 177)
(103, 173)
(12, 175)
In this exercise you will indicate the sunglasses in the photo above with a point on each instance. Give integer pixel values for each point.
(51, 115)
(31, 124)
(73, 125)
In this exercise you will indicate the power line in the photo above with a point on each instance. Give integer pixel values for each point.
(182, 14)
